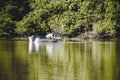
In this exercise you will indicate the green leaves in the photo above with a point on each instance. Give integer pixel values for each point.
(65, 16)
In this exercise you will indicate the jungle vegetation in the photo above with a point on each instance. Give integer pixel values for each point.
(68, 17)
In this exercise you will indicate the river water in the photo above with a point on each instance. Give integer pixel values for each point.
(95, 60)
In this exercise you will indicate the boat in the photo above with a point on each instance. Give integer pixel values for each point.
(37, 40)
(48, 40)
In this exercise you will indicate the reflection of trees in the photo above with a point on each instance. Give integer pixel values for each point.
(90, 60)
(103, 56)
(82, 61)
(20, 62)
(6, 60)
(69, 61)
(117, 61)
(13, 64)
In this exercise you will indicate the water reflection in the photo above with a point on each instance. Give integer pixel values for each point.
(49, 47)
(33, 47)
(60, 61)
(13, 62)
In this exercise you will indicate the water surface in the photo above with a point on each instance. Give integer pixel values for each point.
(96, 60)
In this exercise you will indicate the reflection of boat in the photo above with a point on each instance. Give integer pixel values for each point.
(49, 48)
(33, 46)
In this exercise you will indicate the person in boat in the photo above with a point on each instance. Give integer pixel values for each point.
(50, 36)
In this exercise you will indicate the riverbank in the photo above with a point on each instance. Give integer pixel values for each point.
(16, 38)
(89, 36)
(82, 37)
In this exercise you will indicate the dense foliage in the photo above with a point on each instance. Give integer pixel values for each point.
(68, 17)
(11, 12)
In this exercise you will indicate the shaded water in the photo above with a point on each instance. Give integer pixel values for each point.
(20, 60)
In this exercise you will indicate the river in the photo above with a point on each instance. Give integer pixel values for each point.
(87, 60)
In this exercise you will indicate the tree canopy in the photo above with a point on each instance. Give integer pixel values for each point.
(68, 17)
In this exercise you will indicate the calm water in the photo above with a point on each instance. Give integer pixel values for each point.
(20, 60)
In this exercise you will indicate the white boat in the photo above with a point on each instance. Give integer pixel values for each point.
(37, 40)
(48, 40)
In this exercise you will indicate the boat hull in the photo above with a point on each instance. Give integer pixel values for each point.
(47, 40)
